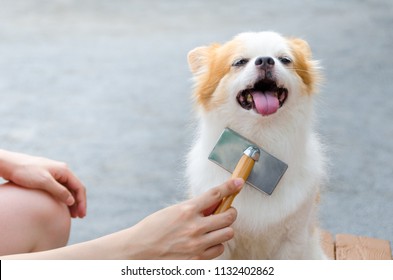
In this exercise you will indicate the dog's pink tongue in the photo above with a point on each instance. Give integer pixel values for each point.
(266, 103)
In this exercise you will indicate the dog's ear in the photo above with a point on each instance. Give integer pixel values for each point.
(299, 45)
(304, 65)
(199, 57)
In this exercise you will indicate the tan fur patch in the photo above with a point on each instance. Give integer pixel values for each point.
(303, 64)
(209, 65)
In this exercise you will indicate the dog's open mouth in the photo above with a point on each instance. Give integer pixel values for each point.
(265, 97)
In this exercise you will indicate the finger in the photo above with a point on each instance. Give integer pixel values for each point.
(216, 237)
(78, 209)
(215, 195)
(74, 210)
(212, 252)
(219, 221)
(58, 191)
(77, 205)
(81, 203)
(78, 190)
(211, 209)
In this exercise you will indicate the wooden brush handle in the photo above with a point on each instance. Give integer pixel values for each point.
(242, 170)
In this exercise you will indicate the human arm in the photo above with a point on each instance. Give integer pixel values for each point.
(44, 174)
(182, 231)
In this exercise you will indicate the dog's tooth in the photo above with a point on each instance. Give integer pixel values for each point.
(249, 98)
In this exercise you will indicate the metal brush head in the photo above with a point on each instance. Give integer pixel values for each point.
(267, 171)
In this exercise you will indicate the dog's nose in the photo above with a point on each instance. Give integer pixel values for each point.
(264, 62)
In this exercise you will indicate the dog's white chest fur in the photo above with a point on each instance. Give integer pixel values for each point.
(267, 224)
(283, 225)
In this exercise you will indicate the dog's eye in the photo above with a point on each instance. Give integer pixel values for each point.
(240, 62)
(285, 60)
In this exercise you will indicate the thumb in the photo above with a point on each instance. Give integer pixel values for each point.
(228, 188)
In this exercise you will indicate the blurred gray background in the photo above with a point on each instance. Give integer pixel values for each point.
(104, 86)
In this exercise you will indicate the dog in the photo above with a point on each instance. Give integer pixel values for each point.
(263, 86)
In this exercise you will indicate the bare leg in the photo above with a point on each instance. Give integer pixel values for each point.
(31, 220)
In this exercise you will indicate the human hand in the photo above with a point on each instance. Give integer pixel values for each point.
(182, 231)
(48, 175)
(185, 230)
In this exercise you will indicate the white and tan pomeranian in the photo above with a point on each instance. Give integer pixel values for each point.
(262, 85)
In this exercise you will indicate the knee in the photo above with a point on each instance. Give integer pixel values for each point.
(54, 222)
(35, 220)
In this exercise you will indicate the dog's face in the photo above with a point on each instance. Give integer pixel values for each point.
(255, 74)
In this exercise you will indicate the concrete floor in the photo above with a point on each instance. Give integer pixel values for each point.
(105, 87)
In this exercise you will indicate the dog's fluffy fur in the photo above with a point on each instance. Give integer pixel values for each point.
(283, 225)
